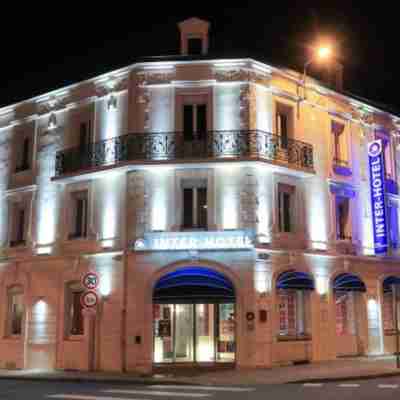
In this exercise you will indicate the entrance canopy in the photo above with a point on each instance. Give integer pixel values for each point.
(190, 285)
(295, 280)
(349, 283)
(389, 282)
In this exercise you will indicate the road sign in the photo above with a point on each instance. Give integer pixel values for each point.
(89, 299)
(91, 281)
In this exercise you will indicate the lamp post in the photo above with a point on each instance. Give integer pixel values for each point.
(323, 53)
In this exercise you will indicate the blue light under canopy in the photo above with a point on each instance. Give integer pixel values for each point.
(349, 283)
(389, 281)
(194, 285)
(295, 280)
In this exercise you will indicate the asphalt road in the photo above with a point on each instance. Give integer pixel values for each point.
(388, 388)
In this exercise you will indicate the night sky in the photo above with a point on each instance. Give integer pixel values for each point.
(65, 43)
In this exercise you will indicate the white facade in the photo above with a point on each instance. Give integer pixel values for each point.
(279, 200)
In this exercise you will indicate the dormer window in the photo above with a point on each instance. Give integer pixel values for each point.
(195, 46)
(194, 36)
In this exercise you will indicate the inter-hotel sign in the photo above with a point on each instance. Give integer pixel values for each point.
(221, 240)
(377, 180)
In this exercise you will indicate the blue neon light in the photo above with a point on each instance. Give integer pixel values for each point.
(377, 183)
(295, 280)
(349, 282)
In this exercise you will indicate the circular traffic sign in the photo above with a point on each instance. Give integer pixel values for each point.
(91, 280)
(89, 299)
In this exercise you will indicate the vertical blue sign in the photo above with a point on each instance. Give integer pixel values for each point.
(377, 181)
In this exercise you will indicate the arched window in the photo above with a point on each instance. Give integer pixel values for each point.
(389, 304)
(293, 290)
(15, 314)
(345, 287)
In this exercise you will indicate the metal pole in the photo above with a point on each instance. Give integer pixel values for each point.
(396, 321)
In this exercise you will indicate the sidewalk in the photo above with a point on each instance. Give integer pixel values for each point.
(345, 369)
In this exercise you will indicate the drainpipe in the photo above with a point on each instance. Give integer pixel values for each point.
(125, 302)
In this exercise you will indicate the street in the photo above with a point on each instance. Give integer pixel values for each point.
(388, 388)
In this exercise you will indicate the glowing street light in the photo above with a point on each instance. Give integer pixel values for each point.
(323, 53)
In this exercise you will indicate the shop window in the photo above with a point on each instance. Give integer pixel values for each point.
(284, 124)
(15, 311)
(74, 308)
(194, 122)
(292, 313)
(286, 204)
(343, 220)
(18, 226)
(194, 204)
(79, 214)
(345, 321)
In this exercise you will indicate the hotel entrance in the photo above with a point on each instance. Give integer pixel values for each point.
(194, 318)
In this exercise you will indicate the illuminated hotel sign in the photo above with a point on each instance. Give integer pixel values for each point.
(222, 240)
(377, 179)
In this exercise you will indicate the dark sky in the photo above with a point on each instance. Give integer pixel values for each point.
(44, 49)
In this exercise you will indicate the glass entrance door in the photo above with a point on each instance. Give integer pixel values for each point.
(194, 333)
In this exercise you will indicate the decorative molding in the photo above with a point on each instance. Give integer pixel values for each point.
(155, 78)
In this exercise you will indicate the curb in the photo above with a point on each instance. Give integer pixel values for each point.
(86, 379)
(346, 378)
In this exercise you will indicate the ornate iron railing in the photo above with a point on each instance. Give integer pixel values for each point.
(173, 146)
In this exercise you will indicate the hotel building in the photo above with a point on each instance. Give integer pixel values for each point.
(232, 212)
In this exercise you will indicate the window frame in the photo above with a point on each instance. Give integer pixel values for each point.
(15, 290)
(290, 190)
(70, 289)
(15, 207)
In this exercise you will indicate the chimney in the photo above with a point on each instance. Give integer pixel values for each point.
(333, 75)
(194, 36)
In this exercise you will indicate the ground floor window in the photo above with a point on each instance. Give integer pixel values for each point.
(293, 291)
(292, 314)
(15, 311)
(194, 332)
(390, 305)
(345, 321)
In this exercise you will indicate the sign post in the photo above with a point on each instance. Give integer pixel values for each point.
(377, 183)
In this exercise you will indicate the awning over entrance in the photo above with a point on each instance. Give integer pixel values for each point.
(199, 285)
(389, 282)
(295, 280)
(348, 282)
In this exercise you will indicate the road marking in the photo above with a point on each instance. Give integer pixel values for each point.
(156, 393)
(349, 385)
(84, 397)
(214, 388)
(388, 386)
(313, 384)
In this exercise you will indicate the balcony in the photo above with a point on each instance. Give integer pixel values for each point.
(167, 147)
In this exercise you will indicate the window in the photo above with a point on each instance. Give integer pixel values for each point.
(285, 207)
(18, 224)
(194, 205)
(194, 122)
(84, 135)
(284, 121)
(23, 155)
(15, 311)
(343, 226)
(79, 215)
(74, 310)
(292, 318)
(345, 318)
(195, 46)
(339, 144)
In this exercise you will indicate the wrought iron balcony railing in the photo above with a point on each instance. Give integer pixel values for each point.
(172, 146)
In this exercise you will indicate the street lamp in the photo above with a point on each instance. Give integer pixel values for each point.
(322, 53)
